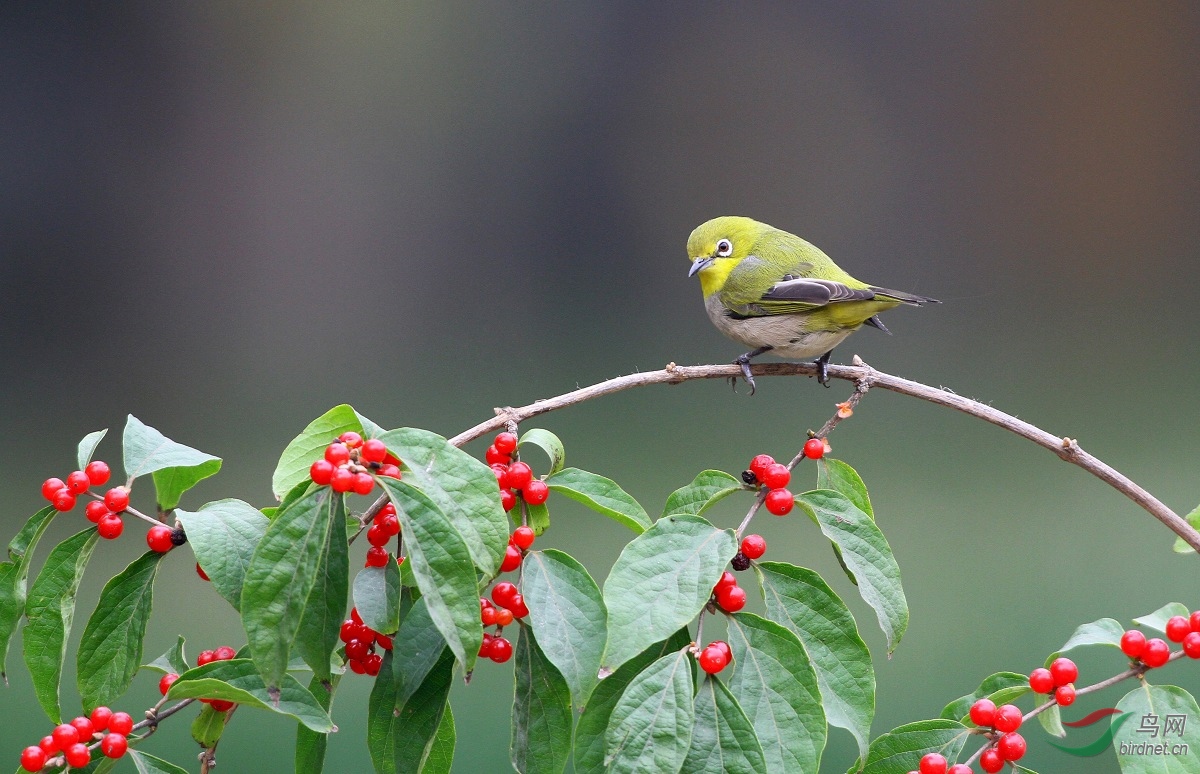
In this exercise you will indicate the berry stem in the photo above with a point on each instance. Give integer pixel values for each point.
(130, 510)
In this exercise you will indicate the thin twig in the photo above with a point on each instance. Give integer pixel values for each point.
(865, 377)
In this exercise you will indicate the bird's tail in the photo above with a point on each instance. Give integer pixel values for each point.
(907, 298)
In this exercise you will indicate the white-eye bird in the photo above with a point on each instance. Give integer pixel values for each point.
(777, 293)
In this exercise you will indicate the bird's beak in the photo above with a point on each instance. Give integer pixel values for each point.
(701, 263)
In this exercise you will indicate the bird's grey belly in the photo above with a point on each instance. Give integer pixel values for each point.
(783, 333)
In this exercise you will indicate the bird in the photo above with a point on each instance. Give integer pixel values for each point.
(775, 292)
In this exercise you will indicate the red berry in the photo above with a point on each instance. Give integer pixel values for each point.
(713, 659)
(536, 492)
(165, 683)
(85, 727)
(753, 546)
(351, 631)
(110, 526)
(983, 713)
(494, 456)
(519, 474)
(1177, 626)
(731, 598)
(501, 472)
(1064, 671)
(373, 450)
(487, 616)
(508, 500)
(779, 502)
(205, 657)
(776, 476)
(727, 579)
(355, 617)
(389, 523)
(389, 471)
(1157, 653)
(512, 559)
(504, 593)
(363, 483)
(113, 745)
(377, 556)
(342, 480)
(814, 448)
(65, 735)
(356, 650)
(523, 537)
(63, 500)
(1041, 681)
(1064, 695)
(77, 756)
(321, 472)
(337, 453)
(1133, 643)
(97, 472)
(117, 499)
(33, 758)
(384, 641)
(1008, 718)
(500, 651)
(759, 465)
(221, 705)
(1191, 645)
(357, 667)
(485, 647)
(933, 763)
(518, 607)
(94, 510)
(1011, 747)
(48, 746)
(373, 662)
(200, 571)
(505, 443)
(51, 486)
(225, 653)
(1194, 621)
(991, 760)
(120, 723)
(960, 768)
(100, 717)
(159, 539)
(78, 482)
(376, 536)
(504, 616)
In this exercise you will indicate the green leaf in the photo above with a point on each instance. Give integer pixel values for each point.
(377, 597)
(650, 729)
(840, 477)
(1106, 631)
(442, 565)
(1051, 722)
(601, 495)
(176, 468)
(14, 577)
(567, 613)
(307, 447)
(538, 517)
(223, 535)
(867, 555)
(369, 428)
(462, 487)
(281, 575)
(902, 748)
(1001, 688)
(776, 686)
(173, 661)
(400, 737)
(209, 725)
(87, 447)
(1181, 547)
(705, 490)
(799, 599)
(1153, 706)
(589, 732)
(148, 764)
(1158, 619)
(51, 610)
(238, 681)
(541, 716)
(549, 443)
(416, 648)
(440, 757)
(660, 582)
(311, 746)
(110, 651)
(723, 739)
(325, 609)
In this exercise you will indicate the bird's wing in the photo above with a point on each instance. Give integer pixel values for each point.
(800, 294)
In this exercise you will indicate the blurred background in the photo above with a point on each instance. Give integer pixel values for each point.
(225, 218)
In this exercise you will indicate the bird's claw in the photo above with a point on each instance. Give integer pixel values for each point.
(822, 364)
(744, 362)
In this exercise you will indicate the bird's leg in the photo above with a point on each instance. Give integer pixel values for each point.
(744, 361)
(822, 364)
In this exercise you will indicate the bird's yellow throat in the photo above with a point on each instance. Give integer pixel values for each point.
(712, 277)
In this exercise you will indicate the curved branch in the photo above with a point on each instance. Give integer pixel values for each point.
(865, 376)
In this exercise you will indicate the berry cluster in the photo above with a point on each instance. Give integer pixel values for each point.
(384, 527)
(505, 606)
(360, 642)
(753, 546)
(162, 538)
(765, 471)
(1155, 652)
(727, 595)
(223, 653)
(1004, 721)
(104, 511)
(514, 478)
(104, 729)
(518, 543)
(715, 657)
(1059, 678)
(349, 463)
(935, 763)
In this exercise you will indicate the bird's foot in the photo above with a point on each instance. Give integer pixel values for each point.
(822, 364)
(744, 362)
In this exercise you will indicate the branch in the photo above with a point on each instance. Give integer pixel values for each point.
(865, 377)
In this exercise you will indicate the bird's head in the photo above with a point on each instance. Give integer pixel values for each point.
(717, 246)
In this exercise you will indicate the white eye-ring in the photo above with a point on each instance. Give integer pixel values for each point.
(724, 248)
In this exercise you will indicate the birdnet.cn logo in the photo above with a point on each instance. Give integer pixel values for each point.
(1157, 735)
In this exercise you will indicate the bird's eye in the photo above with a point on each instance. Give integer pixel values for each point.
(724, 248)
